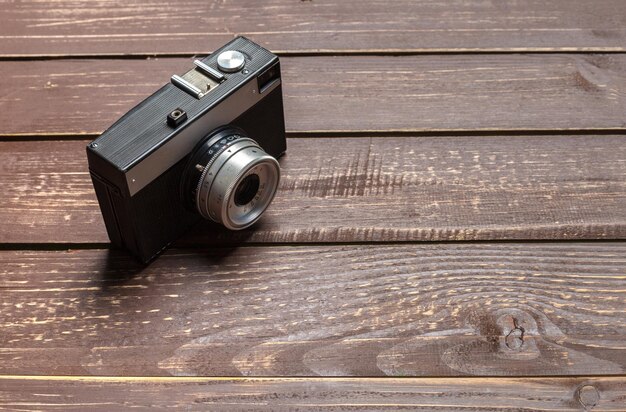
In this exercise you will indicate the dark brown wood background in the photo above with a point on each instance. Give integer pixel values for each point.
(449, 231)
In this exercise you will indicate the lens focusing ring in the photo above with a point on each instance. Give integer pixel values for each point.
(233, 159)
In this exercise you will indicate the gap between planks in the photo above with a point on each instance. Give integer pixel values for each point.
(321, 53)
(311, 378)
(59, 136)
(102, 246)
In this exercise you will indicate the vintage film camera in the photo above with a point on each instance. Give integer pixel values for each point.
(203, 146)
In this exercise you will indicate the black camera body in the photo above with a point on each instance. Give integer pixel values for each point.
(202, 146)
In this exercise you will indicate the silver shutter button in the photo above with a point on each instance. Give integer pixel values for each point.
(230, 61)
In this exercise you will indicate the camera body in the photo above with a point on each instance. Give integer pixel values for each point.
(201, 146)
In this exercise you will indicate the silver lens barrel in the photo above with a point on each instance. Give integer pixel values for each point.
(237, 185)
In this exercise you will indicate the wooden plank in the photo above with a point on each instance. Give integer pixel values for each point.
(361, 310)
(337, 394)
(119, 27)
(362, 189)
(338, 94)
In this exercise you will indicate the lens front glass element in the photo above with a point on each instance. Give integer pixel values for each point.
(247, 189)
(254, 191)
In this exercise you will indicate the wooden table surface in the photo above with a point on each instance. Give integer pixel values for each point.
(448, 233)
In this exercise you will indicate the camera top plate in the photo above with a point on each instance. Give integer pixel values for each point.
(141, 145)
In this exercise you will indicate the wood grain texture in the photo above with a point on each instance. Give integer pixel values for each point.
(196, 26)
(337, 94)
(336, 394)
(334, 282)
(400, 310)
(362, 189)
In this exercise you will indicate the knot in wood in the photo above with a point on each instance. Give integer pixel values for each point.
(588, 396)
(515, 339)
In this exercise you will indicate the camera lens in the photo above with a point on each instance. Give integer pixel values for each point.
(247, 189)
(230, 179)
